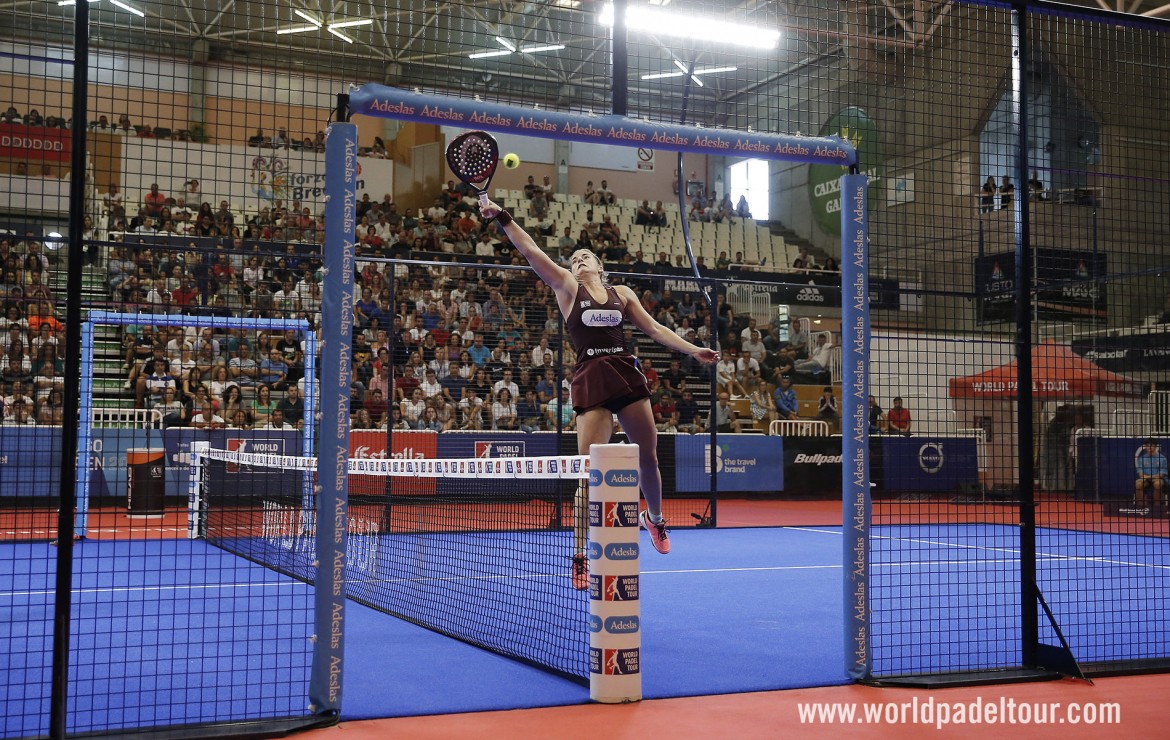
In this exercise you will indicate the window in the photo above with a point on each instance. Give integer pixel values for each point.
(751, 178)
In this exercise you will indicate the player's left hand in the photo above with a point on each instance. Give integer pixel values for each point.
(706, 355)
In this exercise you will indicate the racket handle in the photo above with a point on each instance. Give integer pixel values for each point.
(483, 198)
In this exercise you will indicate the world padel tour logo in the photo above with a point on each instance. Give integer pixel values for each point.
(252, 446)
(615, 661)
(613, 513)
(613, 588)
(499, 449)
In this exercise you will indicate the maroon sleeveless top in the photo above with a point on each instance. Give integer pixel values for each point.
(606, 373)
(596, 328)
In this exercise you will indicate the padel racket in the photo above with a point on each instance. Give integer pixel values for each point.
(473, 157)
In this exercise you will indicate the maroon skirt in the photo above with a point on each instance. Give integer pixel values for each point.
(601, 381)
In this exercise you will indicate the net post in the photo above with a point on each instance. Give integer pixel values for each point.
(615, 635)
(195, 527)
(855, 489)
(326, 677)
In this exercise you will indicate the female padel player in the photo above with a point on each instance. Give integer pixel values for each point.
(607, 379)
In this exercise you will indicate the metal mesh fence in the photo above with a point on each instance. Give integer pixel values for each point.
(1018, 297)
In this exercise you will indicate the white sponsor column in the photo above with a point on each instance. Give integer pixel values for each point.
(615, 635)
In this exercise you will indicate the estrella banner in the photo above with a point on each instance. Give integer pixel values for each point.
(407, 446)
(744, 462)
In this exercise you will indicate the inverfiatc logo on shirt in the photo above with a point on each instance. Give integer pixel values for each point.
(601, 317)
(810, 295)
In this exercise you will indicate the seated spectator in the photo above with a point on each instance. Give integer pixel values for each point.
(207, 418)
(171, 409)
(827, 407)
(987, 195)
(590, 196)
(153, 201)
(742, 209)
(531, 188)
(52, 410)
(787, 405)
(604, 195)
(125, 126)
(899, 418)
(276, 422)
(1036, 189)
(818, 361)
(293, 406)
(11, 116)
(261, 408)
(726, 419)
(274, 370)
(1006, 191)
(877, 418)
(504, 411)
(559, 411)
(101, 124)
(528, 411)
(33, 118)
(21, 413)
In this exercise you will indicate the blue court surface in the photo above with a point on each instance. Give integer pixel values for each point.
(179, 631)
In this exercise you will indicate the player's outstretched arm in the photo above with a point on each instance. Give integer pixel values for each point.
(555, 276)
(660, 333)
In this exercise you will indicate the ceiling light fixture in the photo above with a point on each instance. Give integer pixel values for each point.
(660, 22)
(506, 43)
(295, 29)
(486, 54)
(339, 35)
(351, 24)
(307, 17)
(128, 8)
(706, 71)
(535, 49)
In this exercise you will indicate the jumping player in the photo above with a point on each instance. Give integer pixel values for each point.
(607, 379)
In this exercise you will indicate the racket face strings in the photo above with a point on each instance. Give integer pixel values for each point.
(473, 156)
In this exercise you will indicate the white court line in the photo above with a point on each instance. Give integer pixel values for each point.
(128, 589)
(1007, 550)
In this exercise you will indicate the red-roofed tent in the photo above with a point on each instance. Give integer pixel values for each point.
(1058, 374)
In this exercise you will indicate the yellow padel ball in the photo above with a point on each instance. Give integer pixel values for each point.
(511, 161)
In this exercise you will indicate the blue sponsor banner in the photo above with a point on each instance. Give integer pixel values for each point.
(231, 478)
(929, 463)
(497, 445)
(30, 462)
(30, 458)
(391, 102)
(1107, 466)
(745, 462)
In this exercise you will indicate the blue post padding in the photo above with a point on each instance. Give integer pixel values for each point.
(855, 420)
(391, 102)
(85, 411)
(325, 680)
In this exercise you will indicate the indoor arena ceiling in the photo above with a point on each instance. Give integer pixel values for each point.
(427, 43)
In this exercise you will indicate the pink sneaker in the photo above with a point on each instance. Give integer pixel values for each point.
(658, 535)
(580, 573)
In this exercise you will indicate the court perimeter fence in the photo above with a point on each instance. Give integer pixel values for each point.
(1017, 293)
